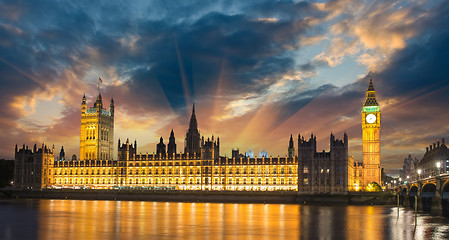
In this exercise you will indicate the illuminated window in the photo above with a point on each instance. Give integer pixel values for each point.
(306, 181)
(306, 169)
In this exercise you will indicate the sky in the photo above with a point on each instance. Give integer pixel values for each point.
(257, 71)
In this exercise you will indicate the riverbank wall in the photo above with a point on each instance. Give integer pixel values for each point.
(353, 198)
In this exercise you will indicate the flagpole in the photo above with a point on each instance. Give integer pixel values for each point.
(99, 81)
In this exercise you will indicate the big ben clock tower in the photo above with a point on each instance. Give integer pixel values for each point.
(371, 137)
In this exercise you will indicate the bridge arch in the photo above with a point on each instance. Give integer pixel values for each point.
(403, 195)
(427, 194)
(411, 195)
(445, 198)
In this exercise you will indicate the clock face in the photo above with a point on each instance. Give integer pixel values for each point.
(370, 118)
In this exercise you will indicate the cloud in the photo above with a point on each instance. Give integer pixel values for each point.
(257, 71)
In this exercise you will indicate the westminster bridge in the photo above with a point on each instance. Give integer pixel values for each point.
(432, 194)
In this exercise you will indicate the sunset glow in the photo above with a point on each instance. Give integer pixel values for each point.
(257, 72)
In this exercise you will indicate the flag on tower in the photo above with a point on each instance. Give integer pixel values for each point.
(99, 79)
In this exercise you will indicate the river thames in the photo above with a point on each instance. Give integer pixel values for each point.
(79, 219)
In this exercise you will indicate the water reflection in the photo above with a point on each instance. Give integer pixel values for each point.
(74, 219)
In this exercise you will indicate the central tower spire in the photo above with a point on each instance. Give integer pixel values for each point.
(193, 123)
(192, 141)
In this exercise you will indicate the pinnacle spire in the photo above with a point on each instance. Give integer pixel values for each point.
(371, 93)
(371, 86)
(193, 123)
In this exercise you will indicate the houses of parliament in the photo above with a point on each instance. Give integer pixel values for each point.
(199, 166)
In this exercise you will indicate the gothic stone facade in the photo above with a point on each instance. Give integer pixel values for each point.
(323, 172)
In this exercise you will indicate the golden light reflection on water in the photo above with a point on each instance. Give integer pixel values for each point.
(71, 219)
(75, 219)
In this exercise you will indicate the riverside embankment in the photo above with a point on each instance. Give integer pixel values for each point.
(355, 198)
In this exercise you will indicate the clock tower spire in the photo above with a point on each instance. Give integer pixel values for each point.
(371, 136)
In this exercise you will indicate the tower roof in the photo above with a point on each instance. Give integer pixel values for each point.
(371, 94)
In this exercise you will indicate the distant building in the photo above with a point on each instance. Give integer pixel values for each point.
(435, 154)
(408, 171)
(323, 172)
(249, 153)
(263, 154)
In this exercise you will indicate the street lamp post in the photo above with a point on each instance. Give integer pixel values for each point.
(419, 173)
(438, 166)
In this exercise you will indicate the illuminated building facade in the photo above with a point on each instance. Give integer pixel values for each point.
(97, 131)
(323, 172)
(200, 167)
(355, 175)
(435, 161)
(371, 137)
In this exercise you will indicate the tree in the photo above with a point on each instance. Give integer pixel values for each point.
(373, 187)
(6, 172)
